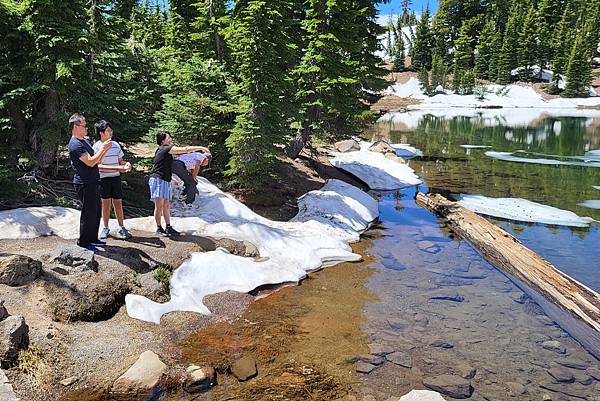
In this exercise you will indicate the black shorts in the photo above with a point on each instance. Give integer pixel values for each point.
(111, 188)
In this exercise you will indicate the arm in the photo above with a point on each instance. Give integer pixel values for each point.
(179, 150)
(91, 161)
(105, 168)
(196, 170)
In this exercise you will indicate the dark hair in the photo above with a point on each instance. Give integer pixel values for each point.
(102, 126)
(75, 119)
(161, 136)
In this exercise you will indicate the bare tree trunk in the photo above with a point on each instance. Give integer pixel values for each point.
(22, 127)
(218, 44)
(304, 134)
(45, 136)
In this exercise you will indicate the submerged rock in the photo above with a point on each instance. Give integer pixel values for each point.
(363, 367)
(141, 381)
(17, 270)
(573, 363)
(447, 296)
(451, 385)
(14, 336)
(400, 358)
(380, 349)
(442, 344)
(555, 346)
(561, 375)
(516, 389)
(244, 369)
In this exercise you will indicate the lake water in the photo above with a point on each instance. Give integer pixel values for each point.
(450, 169)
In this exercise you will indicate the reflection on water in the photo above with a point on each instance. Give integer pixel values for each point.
(444, 310)
(449, 169)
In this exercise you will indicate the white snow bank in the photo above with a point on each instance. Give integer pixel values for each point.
(411, 89)
(509, 117)
(375, 170)
(591, 204)
(328, 219)
(35, 222)
(475, 146)
(537, 71)
(522, 210)
(422, 395)
(509, 157)
(593, 154)
(596, 187)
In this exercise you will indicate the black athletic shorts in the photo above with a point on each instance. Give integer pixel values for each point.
(111, 188)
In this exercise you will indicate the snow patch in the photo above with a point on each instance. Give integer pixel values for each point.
(422, 395)
(411, 89)
(509, 157)
(596, 187)
(522, 210)
(375, 170)
(591, 204)
(32, 222)
(475, 146)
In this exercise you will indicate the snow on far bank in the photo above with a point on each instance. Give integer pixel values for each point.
(522, 210)
(591, 204)
(475, 146)
(509, 157)
(375, 170)
(328, 220)
(32, 222)
(596, 187)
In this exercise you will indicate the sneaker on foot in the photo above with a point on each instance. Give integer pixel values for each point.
(161, 231)
(171, 231)
(90, 248)
(104, 233)
(99, 243)
(124, 233)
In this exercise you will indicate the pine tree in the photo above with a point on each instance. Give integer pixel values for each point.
(406, 11)
(469, 80)
(527, 46)
(563, 43)
(424, 80)
(462, 57)
(207, 28)
(485, 50)
(389, 48)
(438, 72)
(507, 58)
(399, 53)
(421, 48)
(579, 71)
(259, 47)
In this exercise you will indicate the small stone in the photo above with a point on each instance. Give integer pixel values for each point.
(140, 381)
(380, 349)
(244, 369)
(14, 336)
(395, 158)
(516, 389)
(68, 381)
(421, 395)
(582, 378)
(465, 371)
(546, 397)
(561, 375)
(573, 364)
(555, 346)
(3, 312)
(382, 147)
(446, 296)
(397, 324)
(400, 358)
(594, 372)
(372, 359)
(442, 344)
(199, 379)
(363, 367)
(18, 270)
(451, 385)
(429, 247)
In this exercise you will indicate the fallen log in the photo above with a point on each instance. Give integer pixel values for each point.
(575, 307)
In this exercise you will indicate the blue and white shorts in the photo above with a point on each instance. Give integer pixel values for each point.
(159, 188)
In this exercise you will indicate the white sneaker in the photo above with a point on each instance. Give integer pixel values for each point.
(104, 233)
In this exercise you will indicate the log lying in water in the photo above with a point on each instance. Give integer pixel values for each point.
(574, 306)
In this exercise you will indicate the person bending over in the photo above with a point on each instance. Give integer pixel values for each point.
(111, 167)
(86, 181)
(187, 167)
(160, 180)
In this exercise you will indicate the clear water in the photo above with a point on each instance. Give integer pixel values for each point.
(494, 335)
(449, 169)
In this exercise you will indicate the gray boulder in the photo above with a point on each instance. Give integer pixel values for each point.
(451, 385)
(349, 145)
(400, 358)
(17, 270)
(555, 346)
(14, 336)
(382, 147)
(68, 259)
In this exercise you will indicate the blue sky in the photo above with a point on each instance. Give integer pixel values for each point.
(417, 5)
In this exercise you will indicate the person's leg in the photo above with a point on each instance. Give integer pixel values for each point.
(98, 204)
(105, 211)
(158, 210)
(80, 196)
(118, 207)
(117, 197)
(166, 211)
(188, 181)
(91, 213)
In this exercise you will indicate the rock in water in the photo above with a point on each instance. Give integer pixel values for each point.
(555, 346)
(14, 336)
(516, 389)
(422, 395)
(72, 259)
(400, 358)
(451, 385)
(382, 147)
(244, 369)
(561, 375)
(364, 367)
(199, 379)
(447, 296)
(141, 380)
(17, 270)
(347, 146)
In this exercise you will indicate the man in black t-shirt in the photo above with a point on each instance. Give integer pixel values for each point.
(86, 181)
